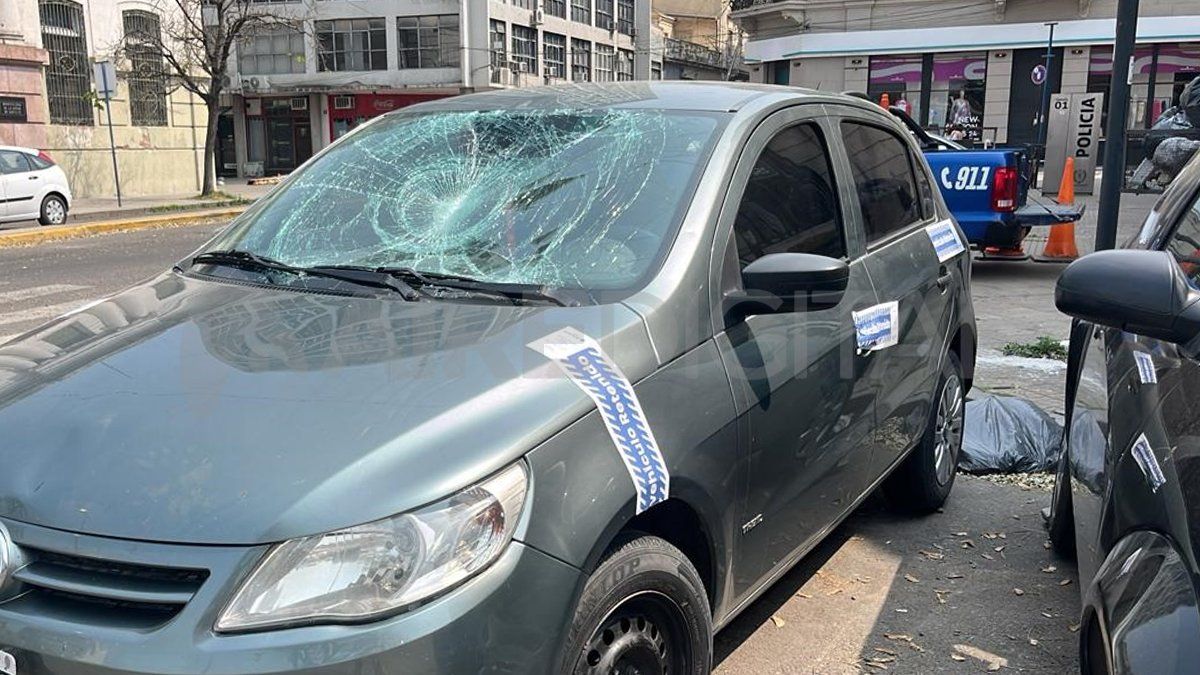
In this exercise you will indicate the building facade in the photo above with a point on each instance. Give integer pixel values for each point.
(336, 63)
(697, 40)
(974, 64)
(48, 97)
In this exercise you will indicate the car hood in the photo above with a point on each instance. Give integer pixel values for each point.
(196, 411)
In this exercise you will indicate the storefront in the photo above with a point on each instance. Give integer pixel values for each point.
(347, 111)
(945, 92)
(278, 134)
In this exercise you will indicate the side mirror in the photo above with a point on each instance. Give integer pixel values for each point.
(790, 282)
(1143, 292)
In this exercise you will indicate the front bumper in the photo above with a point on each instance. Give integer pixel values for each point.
(509, 618)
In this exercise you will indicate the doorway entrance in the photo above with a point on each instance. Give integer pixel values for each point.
(1025, 97)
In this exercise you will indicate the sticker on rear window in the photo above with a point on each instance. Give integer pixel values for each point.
(944, 237)
(8, 664)
(1143, 454)
(876, 327)
(580, 357)
(1145, 366)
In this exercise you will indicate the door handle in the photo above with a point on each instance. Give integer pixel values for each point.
(943, 280)
(33, 178)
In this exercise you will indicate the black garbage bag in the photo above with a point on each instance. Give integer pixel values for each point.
(1007, 434)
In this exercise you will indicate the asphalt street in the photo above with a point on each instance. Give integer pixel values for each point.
(971, 589)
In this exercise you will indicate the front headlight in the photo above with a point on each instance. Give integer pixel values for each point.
(371, 570)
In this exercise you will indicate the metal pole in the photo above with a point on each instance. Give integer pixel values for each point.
(1114, 132)
(112, 144)
(1044, 110)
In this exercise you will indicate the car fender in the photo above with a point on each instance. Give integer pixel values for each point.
(1142, 604)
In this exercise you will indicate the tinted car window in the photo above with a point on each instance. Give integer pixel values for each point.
(790, 204)
(39, 163)
(1184, 243)
(576, 199)
(883, 179)
(13, 162)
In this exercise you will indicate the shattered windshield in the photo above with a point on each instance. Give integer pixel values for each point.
(570, 199)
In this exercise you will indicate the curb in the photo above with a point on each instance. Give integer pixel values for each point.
(39, 235)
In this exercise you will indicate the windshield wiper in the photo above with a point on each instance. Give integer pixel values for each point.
(359, 276)
(518, 293)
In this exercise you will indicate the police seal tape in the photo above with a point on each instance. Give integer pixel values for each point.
(580, 357)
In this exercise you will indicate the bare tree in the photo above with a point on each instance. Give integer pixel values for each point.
(196, 40)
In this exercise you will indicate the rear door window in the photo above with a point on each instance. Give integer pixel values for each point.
(790, 204)
(13, 162)
(883, 179)
(1184, 243)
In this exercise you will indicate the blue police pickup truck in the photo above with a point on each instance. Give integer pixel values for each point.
(987, 191)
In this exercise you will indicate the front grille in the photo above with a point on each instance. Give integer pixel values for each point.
(81, 588)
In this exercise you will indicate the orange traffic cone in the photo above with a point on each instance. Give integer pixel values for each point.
(885, 101)
(1060, 247)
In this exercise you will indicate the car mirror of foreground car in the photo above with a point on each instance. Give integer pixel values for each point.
(789, 282)
(1142, 292)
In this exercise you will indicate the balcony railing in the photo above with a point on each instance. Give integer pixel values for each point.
(736, 5)
(690, 52)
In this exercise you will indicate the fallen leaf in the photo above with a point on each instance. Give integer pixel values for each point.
(901, 637)
(902, 611)
(836, 591)
(911, 579)
(954, 576)
(1073, 627)
(1048, 615)
(941, 600)
(984, 555)
(881, 659)
(779, 622)
(803, 595)
(967, 543)
(884, 650)
(993, 667)
(958, 657)
(932, 555)
(998, 549)
(960, 534)
(1017, 591)
(1033, 641)
(1046, 545)
(1065, 582)
(872, 664)
(1002, 535)
(1050, 569)
(989, 535)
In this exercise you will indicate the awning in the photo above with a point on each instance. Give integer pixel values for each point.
(963, 38)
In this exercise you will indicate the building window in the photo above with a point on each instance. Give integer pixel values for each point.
(581, 11)
(581, 60)
(527, 4)
(525, 48)
(656, 70)
(624, 65)
(554, 54)
(604, 63)
(276, 51)
(604, 14)
(147, 82)
(69, 73)
(899, 77)
(429, 41)
(956, 94)
(498, 38)
(556, 8)
(625, 17)
(351, 44)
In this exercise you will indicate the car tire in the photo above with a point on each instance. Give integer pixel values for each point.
(53, 211)
(644, 609)
(1060, 520)
(923, 481)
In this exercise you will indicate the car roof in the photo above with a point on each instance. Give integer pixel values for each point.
(655, 95)
(28, 151)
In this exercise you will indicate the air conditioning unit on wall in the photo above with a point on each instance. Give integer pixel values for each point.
(345, 102)
(539, 17)
(299, 103)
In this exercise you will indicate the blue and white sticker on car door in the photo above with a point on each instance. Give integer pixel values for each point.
(944, 237)
(877, 327)
(585, 363)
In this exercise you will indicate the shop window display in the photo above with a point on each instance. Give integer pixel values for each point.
(899, 78)
(957, 95)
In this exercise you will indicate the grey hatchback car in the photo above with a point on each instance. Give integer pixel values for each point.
(554, 380)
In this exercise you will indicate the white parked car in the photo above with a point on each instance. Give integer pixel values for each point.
(32, 186)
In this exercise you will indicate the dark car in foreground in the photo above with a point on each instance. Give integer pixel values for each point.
(1127, 498)
(538, 381)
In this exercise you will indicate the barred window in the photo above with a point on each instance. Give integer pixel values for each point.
(556, 8)
(554, 53)
(525, 48)
(69, 74)
(581, 60)
(275, 51)
(429, 41)
(352, 44)
(624, 65)
(604, 14)
(625, 17)
(604, 63)
(498, 42)
(581, 11)
(526, 4)
(147, 82)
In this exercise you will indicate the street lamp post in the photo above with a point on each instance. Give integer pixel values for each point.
(1044, 109)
